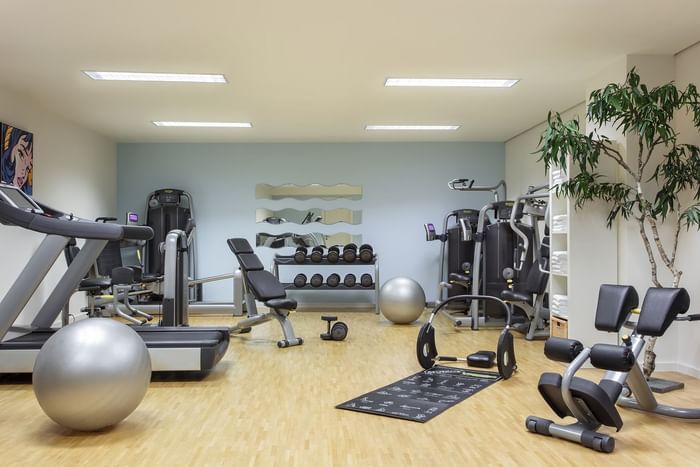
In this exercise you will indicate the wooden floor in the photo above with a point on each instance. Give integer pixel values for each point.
(264, 406)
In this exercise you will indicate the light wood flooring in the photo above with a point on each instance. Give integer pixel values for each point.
(263, 406)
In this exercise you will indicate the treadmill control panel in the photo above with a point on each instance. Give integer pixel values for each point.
(10, 194)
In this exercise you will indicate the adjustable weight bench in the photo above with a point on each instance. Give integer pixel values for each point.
(262, 285)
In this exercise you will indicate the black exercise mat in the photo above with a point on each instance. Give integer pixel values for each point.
(424, 395)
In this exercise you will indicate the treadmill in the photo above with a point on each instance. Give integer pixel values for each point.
(172, 349)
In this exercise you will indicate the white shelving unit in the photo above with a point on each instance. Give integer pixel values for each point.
(584, 256)
(559, 245)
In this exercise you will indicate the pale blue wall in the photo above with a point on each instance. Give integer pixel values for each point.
(405, 185)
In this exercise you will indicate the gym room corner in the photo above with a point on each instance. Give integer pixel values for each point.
(371, 234)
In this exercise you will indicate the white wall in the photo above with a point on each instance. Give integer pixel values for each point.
(74, 171)
(522, 168)
(679, 349)
(404, 186)
(687, 70)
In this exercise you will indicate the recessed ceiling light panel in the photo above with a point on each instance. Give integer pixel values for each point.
(157, 77)
(451, 82)
(205, 124)
(412, 127)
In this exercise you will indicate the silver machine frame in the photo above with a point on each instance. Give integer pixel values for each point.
(536, 328)
(172, 280)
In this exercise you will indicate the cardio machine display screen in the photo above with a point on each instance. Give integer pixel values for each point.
(18, 199)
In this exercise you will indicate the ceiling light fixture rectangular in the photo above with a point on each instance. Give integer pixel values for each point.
(451, 82)
(205, 124)
(157, 77)
(412, 127)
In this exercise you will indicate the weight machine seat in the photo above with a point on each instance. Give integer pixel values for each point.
(282, 303)
(239, 246)
(660, 308)
(599, 399)
(513, 296)
(459, 277)
(535, 283)
(95, 284)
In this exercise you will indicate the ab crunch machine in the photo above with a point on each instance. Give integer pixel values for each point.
(624, 384)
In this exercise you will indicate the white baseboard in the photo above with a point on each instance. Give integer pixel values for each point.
(679, 368)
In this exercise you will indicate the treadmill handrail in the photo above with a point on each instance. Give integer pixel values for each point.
(71, 227)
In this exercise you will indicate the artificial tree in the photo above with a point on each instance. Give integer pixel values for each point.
(660, 176)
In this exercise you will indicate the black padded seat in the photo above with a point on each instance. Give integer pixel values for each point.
(265, 286)
(239, 246)
(660, 308)
(282, 303)
(459, 277)
(513, 296)
(95, 284)
(149, 278)
(250, 262)
(611, 388)
(615, 303)
(597, 398)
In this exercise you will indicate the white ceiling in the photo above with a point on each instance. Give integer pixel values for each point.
(313, 70)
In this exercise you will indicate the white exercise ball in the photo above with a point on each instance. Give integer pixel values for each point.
(401, 300)
(91, 374)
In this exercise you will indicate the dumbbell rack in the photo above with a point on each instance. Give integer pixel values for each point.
(288, 260)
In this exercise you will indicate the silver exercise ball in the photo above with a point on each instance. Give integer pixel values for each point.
(91, 374)
(401, 300)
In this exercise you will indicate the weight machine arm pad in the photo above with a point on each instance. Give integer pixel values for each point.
(559, 349)
(612, 357)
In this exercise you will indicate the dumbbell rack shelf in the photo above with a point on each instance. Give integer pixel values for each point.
(284, 260)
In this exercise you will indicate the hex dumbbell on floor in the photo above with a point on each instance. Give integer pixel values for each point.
(338, 332)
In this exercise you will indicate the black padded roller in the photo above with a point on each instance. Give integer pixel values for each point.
(366, 280)
(612, 357)
(316, 280)
(333, 280)
(562, 350)
(349, 280)
(366, 253)
(317, 254)
(300, 280)
(333, 254)
(300, 254)
(350, 253)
